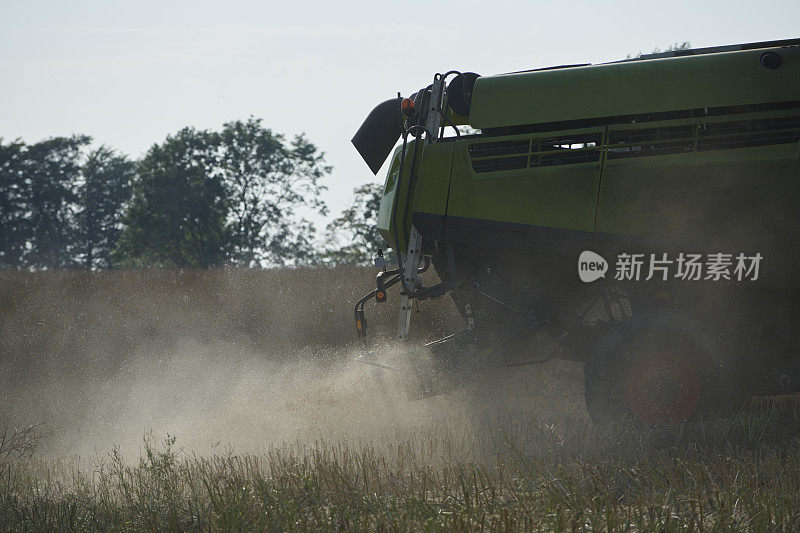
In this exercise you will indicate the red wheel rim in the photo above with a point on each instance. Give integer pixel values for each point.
(662, 387)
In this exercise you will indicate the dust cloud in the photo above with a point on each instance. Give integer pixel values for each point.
(106, 359)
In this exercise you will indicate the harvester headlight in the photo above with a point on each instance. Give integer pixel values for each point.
(407, 106)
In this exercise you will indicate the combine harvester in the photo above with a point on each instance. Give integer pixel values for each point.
(644, 215)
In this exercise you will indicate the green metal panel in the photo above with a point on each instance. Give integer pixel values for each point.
(745, 198)
(430, 188)
(433, 183)
(706, 197)
(556, 196)
(657, 85)
(384, 222)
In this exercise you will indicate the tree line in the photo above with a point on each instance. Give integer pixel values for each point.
(240, 196)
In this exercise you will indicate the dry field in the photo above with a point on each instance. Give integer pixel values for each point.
(167, 400)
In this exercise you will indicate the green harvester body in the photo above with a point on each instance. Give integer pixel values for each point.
(686, 151)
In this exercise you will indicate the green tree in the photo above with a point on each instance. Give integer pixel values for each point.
(178, 212)
(102, 196)
(13, 205)
(685, 45)
(51, 172)
(353, 236)
(269, 181)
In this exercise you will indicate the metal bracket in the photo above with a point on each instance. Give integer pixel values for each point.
(410, 264)
(435, 118)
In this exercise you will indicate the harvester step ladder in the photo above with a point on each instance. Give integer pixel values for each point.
(410, 263)
(414, 250)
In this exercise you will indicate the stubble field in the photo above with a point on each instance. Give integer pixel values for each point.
(169, 400)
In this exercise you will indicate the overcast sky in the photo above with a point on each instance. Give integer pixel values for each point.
(129, 73)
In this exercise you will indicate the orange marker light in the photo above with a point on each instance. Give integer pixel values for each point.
(407, 106)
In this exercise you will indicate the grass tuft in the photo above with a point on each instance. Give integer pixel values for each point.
(739, 472)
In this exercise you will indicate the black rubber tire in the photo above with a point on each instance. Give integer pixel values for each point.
(657, 368)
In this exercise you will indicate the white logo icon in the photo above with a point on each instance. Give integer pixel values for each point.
(591, 266)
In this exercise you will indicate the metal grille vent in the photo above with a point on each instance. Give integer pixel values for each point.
(537, 152)
(633, 143)
(703, 137)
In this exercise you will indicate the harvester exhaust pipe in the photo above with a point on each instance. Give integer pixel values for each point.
(378, 134)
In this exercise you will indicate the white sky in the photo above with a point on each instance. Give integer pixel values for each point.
(129, 73)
